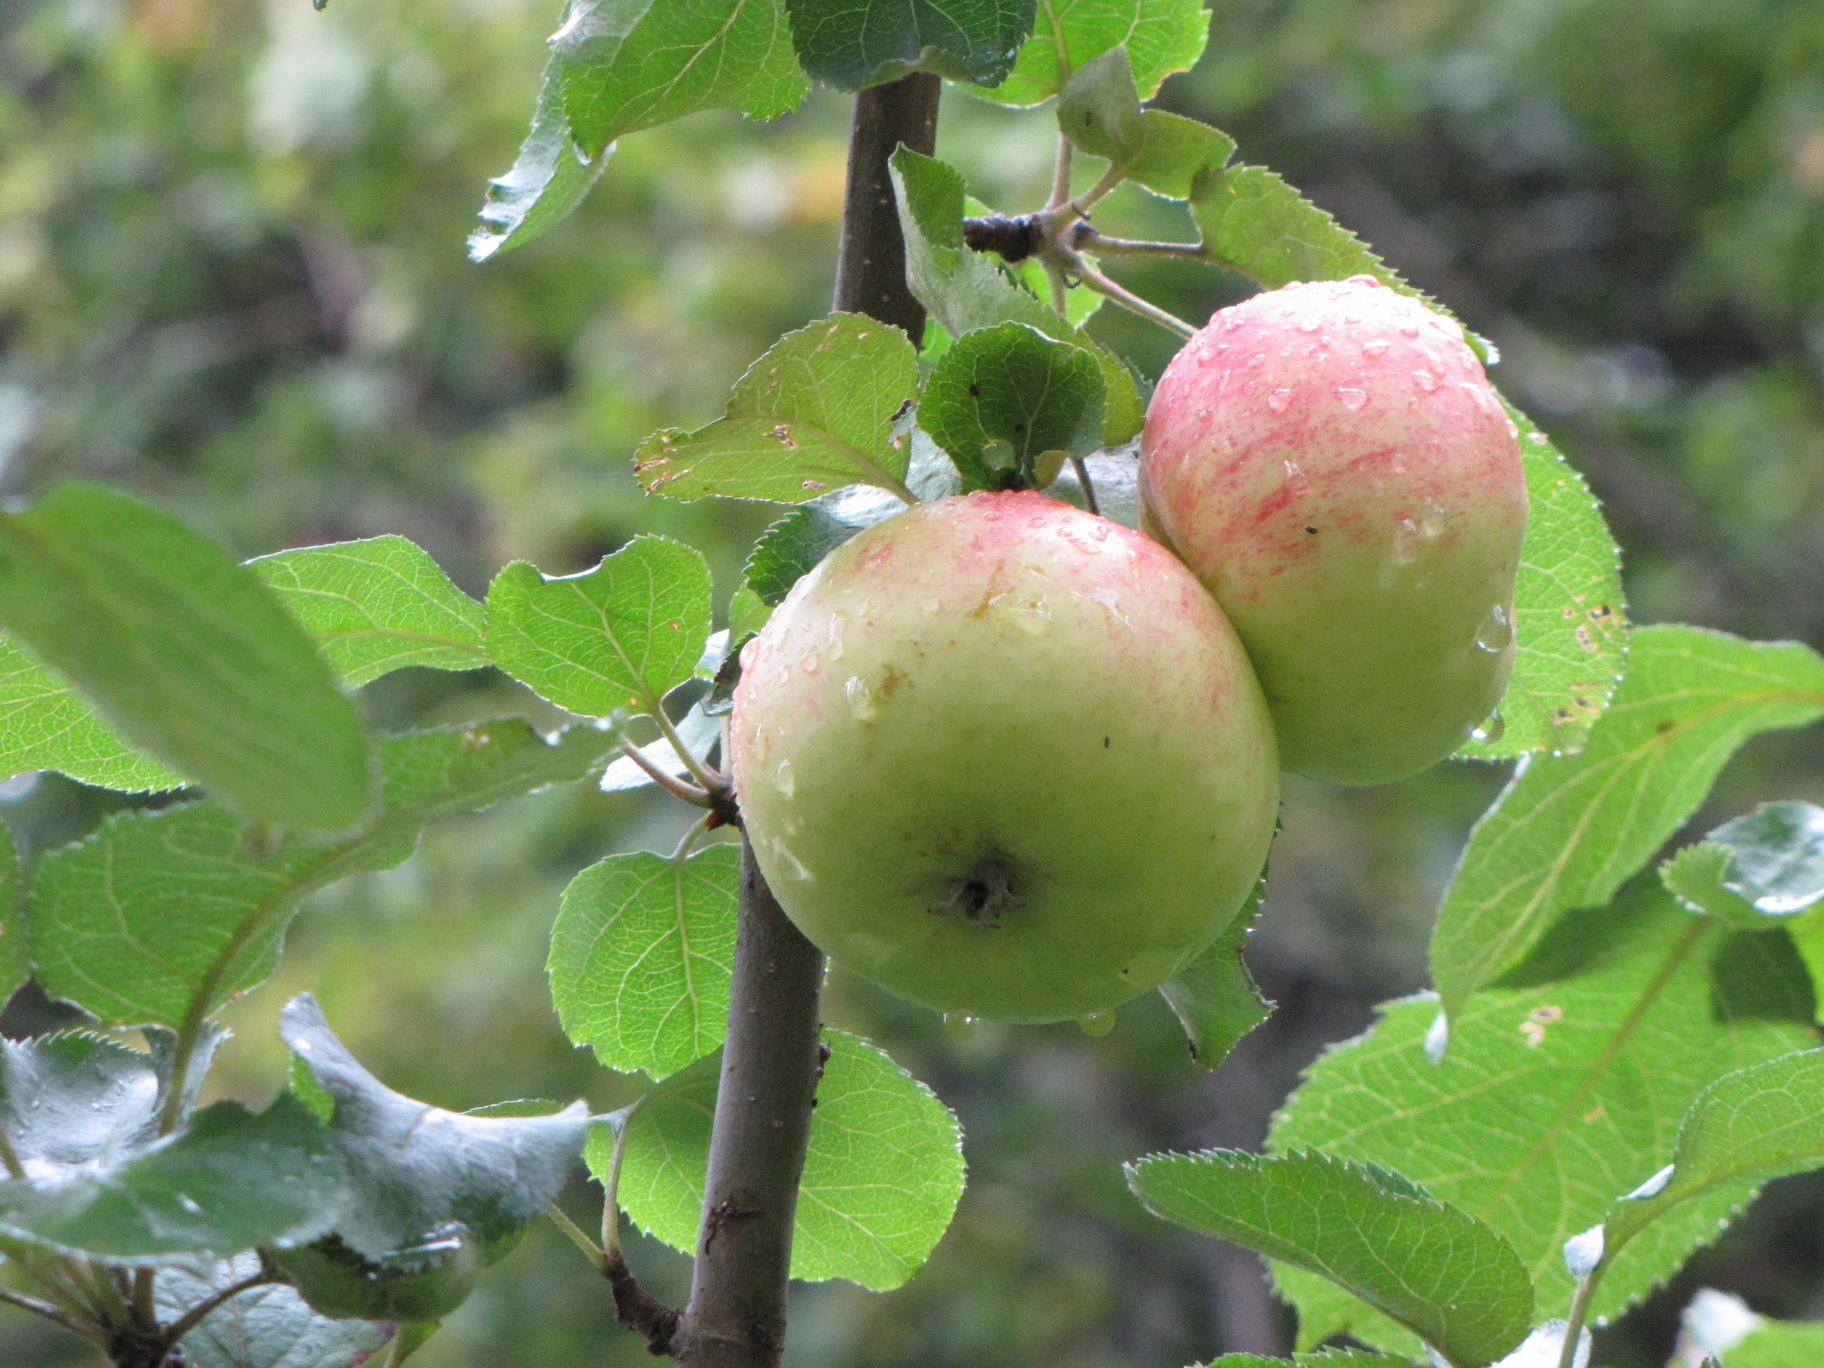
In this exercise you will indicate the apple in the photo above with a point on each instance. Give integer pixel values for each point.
(1331, 461)
(1005, 758)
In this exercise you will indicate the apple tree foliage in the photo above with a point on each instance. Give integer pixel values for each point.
(1620, 1049)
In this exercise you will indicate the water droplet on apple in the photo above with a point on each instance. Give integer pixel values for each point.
(1491, 730)
(1096, 1024)
(809, 662)
(860, 698)
(750, 652)
(784, 780)
(1406, 541)
(1298, 484)
(1425, 380)
(931, 605)
(1350, 397)
(839, 623)
(959, 1025)
(1280, 400)
(1496, 632)
(1374, 348)
(1308, 324)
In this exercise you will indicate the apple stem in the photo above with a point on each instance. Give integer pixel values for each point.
(773, 1055)
(1130, 301)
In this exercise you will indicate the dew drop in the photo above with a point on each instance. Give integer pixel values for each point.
(784, 780)
(1425, 380)
(1297, 482)
(1490, 730)
(1351, 398)
(1378, 347)
(839, 623)
(860, 699)
(1308, 324)
(1096, 1024)
(931, 605)
(1406, 540)
(1496, 632)
(809, 662)
(1280, 400)
(959, 1025)
(1537, 438)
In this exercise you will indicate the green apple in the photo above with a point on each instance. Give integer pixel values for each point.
(1331, 461)
(1005, 758)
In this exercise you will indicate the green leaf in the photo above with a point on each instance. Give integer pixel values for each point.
(1570, 628)
(641, 956)
(1099, 111)
(1328, 1358)
(432, 1197)
(1767, 865)
(15, 957)
(185, 652)
(882, 1176)
(1560, 1084)
(964, 290)
(616, 638)
(854, 43)
(1215, 997)
(44, 725)
(230, 1179)
(1777, 1344)
(548, 178)
(1444, 1275)
(1161, 37)
(1000, 398)
(625, 65)
(76, 1100)
(263, 1327)
(622, 65)
(1254, 222)
(815, 413)
(160, 915)
(747, 613)
(1750, 1126)
(376, 606)
(1176, 151)
(1567, 831)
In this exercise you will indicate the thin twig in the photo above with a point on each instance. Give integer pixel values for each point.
(194, 1317)
(1132, 302)
(676, 787)
(611, 1190)
(685, 757)
(1580, 1310)
(53, 1313)
(1086, 201)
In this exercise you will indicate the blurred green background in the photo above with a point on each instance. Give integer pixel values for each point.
(232, 276)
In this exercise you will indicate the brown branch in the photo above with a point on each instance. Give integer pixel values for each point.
(871, 262)
(638, 1309)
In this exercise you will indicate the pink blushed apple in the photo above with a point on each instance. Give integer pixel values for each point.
(1005, 758)
(1331, 461)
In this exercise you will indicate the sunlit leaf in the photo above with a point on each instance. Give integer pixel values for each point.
(1161, 37)
(1567, 831)
(1561, 1083)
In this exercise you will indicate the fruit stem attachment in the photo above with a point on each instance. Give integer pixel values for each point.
(773, 1055)
(676, 787)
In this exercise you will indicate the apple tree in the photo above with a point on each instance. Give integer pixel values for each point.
(996, 717)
